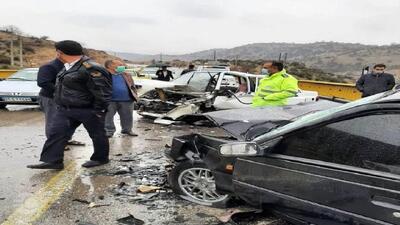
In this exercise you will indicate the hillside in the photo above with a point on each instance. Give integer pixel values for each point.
(332, 57)
(37, 51)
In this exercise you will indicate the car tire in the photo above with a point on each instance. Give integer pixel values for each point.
(3, 106)
(176, 177)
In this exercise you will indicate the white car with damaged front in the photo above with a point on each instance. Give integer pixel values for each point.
(197, 92)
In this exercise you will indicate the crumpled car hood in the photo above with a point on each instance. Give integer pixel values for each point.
(183, 89)
(247, 123)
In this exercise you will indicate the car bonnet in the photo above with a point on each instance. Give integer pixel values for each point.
(240, 122)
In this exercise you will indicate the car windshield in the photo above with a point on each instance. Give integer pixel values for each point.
(196, 80)
(25, 75)
(314, 116)
(150, 69)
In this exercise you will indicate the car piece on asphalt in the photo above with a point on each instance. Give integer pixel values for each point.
(20, 88)
(335, 166)
(199, 92)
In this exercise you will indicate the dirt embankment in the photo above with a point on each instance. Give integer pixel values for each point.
(36, 51)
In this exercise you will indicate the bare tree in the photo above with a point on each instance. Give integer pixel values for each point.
(11, 29)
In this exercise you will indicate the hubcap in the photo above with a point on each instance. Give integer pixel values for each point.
(199, 184)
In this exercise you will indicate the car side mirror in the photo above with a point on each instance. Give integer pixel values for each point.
(269, 145)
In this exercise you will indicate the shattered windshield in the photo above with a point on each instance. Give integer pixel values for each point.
(311, 117)
(198, 81)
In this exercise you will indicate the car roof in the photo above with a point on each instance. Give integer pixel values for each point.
(393, 96)
(33, 68)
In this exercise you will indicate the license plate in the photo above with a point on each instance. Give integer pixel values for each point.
(16, 99)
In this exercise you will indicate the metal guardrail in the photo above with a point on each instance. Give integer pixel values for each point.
(6, 73)
(331, 90)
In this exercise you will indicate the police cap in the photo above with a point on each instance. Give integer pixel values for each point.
(69, 47)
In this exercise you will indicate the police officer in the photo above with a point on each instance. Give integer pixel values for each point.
(276, 87)
(82, 93)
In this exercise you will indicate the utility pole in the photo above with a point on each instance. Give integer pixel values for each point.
(285, 58)
(12, 52)
(236, 59)
(215, 55)
(160, 57)
(21, 62)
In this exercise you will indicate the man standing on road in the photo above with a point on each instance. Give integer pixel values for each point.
(124, 95)
(46, 79)
(82, 93)
(189, 69)
(376, 82)
(276, 87)
(164, 74)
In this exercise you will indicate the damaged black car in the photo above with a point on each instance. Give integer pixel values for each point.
(336, 166)
(196, 155)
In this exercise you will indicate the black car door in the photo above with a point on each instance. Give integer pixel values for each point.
(346, 172)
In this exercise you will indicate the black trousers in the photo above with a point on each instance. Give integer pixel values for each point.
(67, 119)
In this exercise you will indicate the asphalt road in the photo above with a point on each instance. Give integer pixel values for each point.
(92, 196)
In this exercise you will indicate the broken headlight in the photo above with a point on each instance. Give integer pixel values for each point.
(239, 148)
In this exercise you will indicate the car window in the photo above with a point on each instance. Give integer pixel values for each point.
(313, 117)
(184, 79)
(230, 82)
(25, 75)
(200, 81)
(370, 142)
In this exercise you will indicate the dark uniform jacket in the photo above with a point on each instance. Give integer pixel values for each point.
(85, 85)
(47, 75)
(160, 75)
(370, 84)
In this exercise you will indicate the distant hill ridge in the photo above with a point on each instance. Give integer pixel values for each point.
(333, 57)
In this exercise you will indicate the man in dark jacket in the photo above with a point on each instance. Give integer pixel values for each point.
(164, 74)
(376, 82)
(82, 93)
(124, 94)
(189, 69)
(46, 79)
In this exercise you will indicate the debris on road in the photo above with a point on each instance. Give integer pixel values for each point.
(147, 189)
(91, 204)
(231, 213)
(153, 139)
(237, 216)
(130, 220)
(76, 143)
(81, 201)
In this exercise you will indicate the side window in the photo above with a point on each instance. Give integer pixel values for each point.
(371, 142)
(234, 83)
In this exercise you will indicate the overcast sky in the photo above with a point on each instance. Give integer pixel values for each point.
(183, 26)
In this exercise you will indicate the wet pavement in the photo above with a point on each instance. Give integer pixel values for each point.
(103, 195)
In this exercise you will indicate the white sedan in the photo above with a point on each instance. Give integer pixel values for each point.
(20, 88)
(198, 92)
